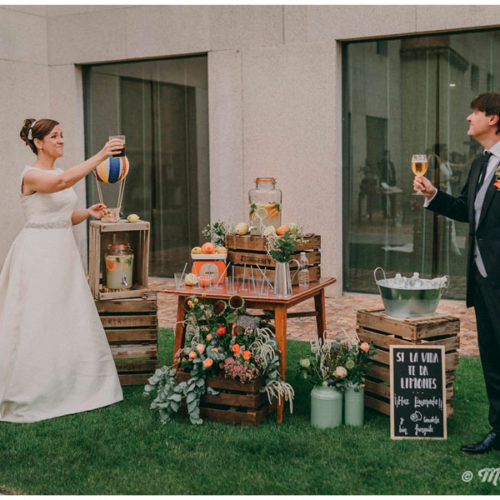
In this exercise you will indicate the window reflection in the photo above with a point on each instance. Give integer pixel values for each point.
(162, 108)
(411, 98)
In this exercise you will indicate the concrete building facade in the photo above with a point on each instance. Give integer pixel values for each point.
(274, 92)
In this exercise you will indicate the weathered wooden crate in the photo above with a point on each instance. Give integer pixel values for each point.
(251, 250)
(375, 326)
(103, 233)
(131, 326)
(237, 403)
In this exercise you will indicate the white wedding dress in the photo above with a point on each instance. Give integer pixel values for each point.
(54, 356)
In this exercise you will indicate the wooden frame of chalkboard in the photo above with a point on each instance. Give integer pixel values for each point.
(418, 392)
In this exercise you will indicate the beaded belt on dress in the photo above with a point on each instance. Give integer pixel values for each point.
(60, 224)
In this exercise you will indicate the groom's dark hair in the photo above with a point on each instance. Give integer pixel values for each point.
(489, 102)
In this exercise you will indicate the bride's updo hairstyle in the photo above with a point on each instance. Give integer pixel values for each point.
(36, 129)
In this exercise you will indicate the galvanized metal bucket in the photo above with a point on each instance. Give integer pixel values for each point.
(406, 303)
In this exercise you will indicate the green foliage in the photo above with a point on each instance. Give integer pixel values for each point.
(337, 364)
(283, 248)
(216, 233)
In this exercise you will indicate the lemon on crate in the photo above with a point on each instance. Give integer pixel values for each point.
(133, 218)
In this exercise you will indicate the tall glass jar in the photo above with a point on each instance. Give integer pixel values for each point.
(265, 205)
(119, 260)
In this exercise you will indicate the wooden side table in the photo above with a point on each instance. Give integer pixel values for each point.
(279, 306)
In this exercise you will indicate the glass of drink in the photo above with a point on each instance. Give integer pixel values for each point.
(122, 139)
(419, 167)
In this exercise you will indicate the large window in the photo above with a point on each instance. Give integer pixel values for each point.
(161, 107)
(412, 97)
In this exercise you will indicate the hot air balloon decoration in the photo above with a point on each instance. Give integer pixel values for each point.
(112, 170)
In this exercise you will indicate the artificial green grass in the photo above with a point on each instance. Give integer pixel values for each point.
(124, 449)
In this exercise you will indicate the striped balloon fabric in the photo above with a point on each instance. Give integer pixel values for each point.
(112, 169)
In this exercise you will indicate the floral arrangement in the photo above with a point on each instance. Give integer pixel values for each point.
(338, 363)
(218, 343)
(216, 233)
(282, 243)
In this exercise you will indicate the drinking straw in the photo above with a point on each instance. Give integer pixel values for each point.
(197, 277)
(244, 274)
(232, 278)
(183, 271)
(262, 288)
(264, 275)
(222, 275)
(253, 279)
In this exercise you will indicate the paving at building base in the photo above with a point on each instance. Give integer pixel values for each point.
(340, 313)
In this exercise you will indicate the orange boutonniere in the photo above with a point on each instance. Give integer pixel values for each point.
(497, 175)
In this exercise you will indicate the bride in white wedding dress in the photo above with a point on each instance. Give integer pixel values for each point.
(54, 356)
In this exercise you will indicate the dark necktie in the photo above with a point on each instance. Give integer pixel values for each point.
(483, 167)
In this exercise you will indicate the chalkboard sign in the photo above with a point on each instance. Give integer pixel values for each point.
(418, 392)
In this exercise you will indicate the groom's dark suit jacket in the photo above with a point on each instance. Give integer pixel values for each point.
(461, 208)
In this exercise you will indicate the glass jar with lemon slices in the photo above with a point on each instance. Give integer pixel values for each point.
(119, 261)
(265, 205)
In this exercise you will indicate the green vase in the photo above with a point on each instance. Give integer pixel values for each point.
(354, 405)
(326, 407)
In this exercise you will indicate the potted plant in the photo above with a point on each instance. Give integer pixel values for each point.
(217, 345)
(357, 361)
(324, 370)
(281, 247)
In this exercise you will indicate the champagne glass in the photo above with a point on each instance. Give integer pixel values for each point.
(419, 167)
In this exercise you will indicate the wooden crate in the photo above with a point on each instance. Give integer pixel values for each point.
(103, 233)
(251, 250)
(237, 403)
(131, 326)
(375, 326)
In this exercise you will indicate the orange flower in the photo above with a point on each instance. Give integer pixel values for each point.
(365, 346)
(193, 355)
(210, 337)
(236, 348)
(497, 183)
(208, 363)
(215, 349)
(200, 348)
(246, 355)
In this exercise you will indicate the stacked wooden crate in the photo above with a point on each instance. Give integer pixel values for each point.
(383, 331)
(252, 251)
(131, 326)
(129, 317)
(237, 403)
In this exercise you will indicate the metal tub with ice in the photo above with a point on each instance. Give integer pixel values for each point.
(406, 298)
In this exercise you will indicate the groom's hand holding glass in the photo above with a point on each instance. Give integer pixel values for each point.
(424, 185)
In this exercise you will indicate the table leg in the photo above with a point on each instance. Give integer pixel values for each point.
(280, 326)
(179, 325)
(319, 303)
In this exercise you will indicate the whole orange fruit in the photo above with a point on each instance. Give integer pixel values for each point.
(208, 247)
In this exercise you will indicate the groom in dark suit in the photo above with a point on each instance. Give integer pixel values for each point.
(479, 205)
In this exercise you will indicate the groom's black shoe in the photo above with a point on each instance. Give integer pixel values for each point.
(490, 442)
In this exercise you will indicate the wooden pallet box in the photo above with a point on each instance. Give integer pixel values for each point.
(375, 326)
(252, 251)
(236, 403)
(131, 326)
(101, 234)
